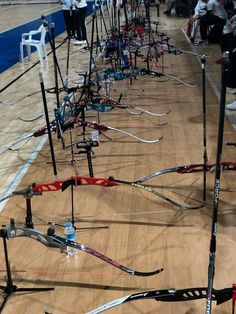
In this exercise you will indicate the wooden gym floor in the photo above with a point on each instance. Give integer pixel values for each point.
(145, 232)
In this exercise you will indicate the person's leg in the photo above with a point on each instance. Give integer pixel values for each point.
(66, 15)
(195, 27)
(82, 23)
(204, 22)
(81, 27)
(77, 25)
(169, 6)
(73, 23)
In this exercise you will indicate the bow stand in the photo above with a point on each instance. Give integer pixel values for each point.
(48, 123)
(205, 157)
(10, 288)
(212, 251)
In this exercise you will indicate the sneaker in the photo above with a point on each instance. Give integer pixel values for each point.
(230, 90)
(79, 42)
(231, 106)
(167, 12)
(192, 40)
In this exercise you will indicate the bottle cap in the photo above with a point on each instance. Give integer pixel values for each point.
(68, 224)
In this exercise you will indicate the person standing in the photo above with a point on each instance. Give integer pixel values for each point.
(80, 27)
(68, 10)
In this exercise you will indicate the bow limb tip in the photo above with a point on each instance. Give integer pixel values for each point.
(147, 274)
(194, 207)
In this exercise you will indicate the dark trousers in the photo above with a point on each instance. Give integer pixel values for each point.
(80, 27)
(69, 21)
(207, 20)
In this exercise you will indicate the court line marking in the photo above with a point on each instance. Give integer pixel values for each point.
(22, 171)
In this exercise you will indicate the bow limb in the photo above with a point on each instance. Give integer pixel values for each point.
(148, 189)
(32, 119)
(10, 147)
(56, 241)
(7, 197)
(21, 98)
(131, 297)
(38, 133)
(181, 81)
(225, 165)
(104, 128)
(152, 113)
(170, 295)
(157, 174)
(169, 200)
(141, 111)
(134, 136)
(179, 169)
(138, 113)
(106, 259)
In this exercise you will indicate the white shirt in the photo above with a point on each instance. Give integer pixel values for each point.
(201, 8)
(67, 4)
(80, 4)
(217, 9)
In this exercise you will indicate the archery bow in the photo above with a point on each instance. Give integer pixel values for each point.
(172, 295)
(111, 181)
(50, 239)
(106, 182)
(72, 123)
(103, 128)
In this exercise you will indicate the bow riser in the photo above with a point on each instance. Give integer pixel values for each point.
(75, 180)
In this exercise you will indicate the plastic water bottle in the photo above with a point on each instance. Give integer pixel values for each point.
(95, 136)
(69, 232)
